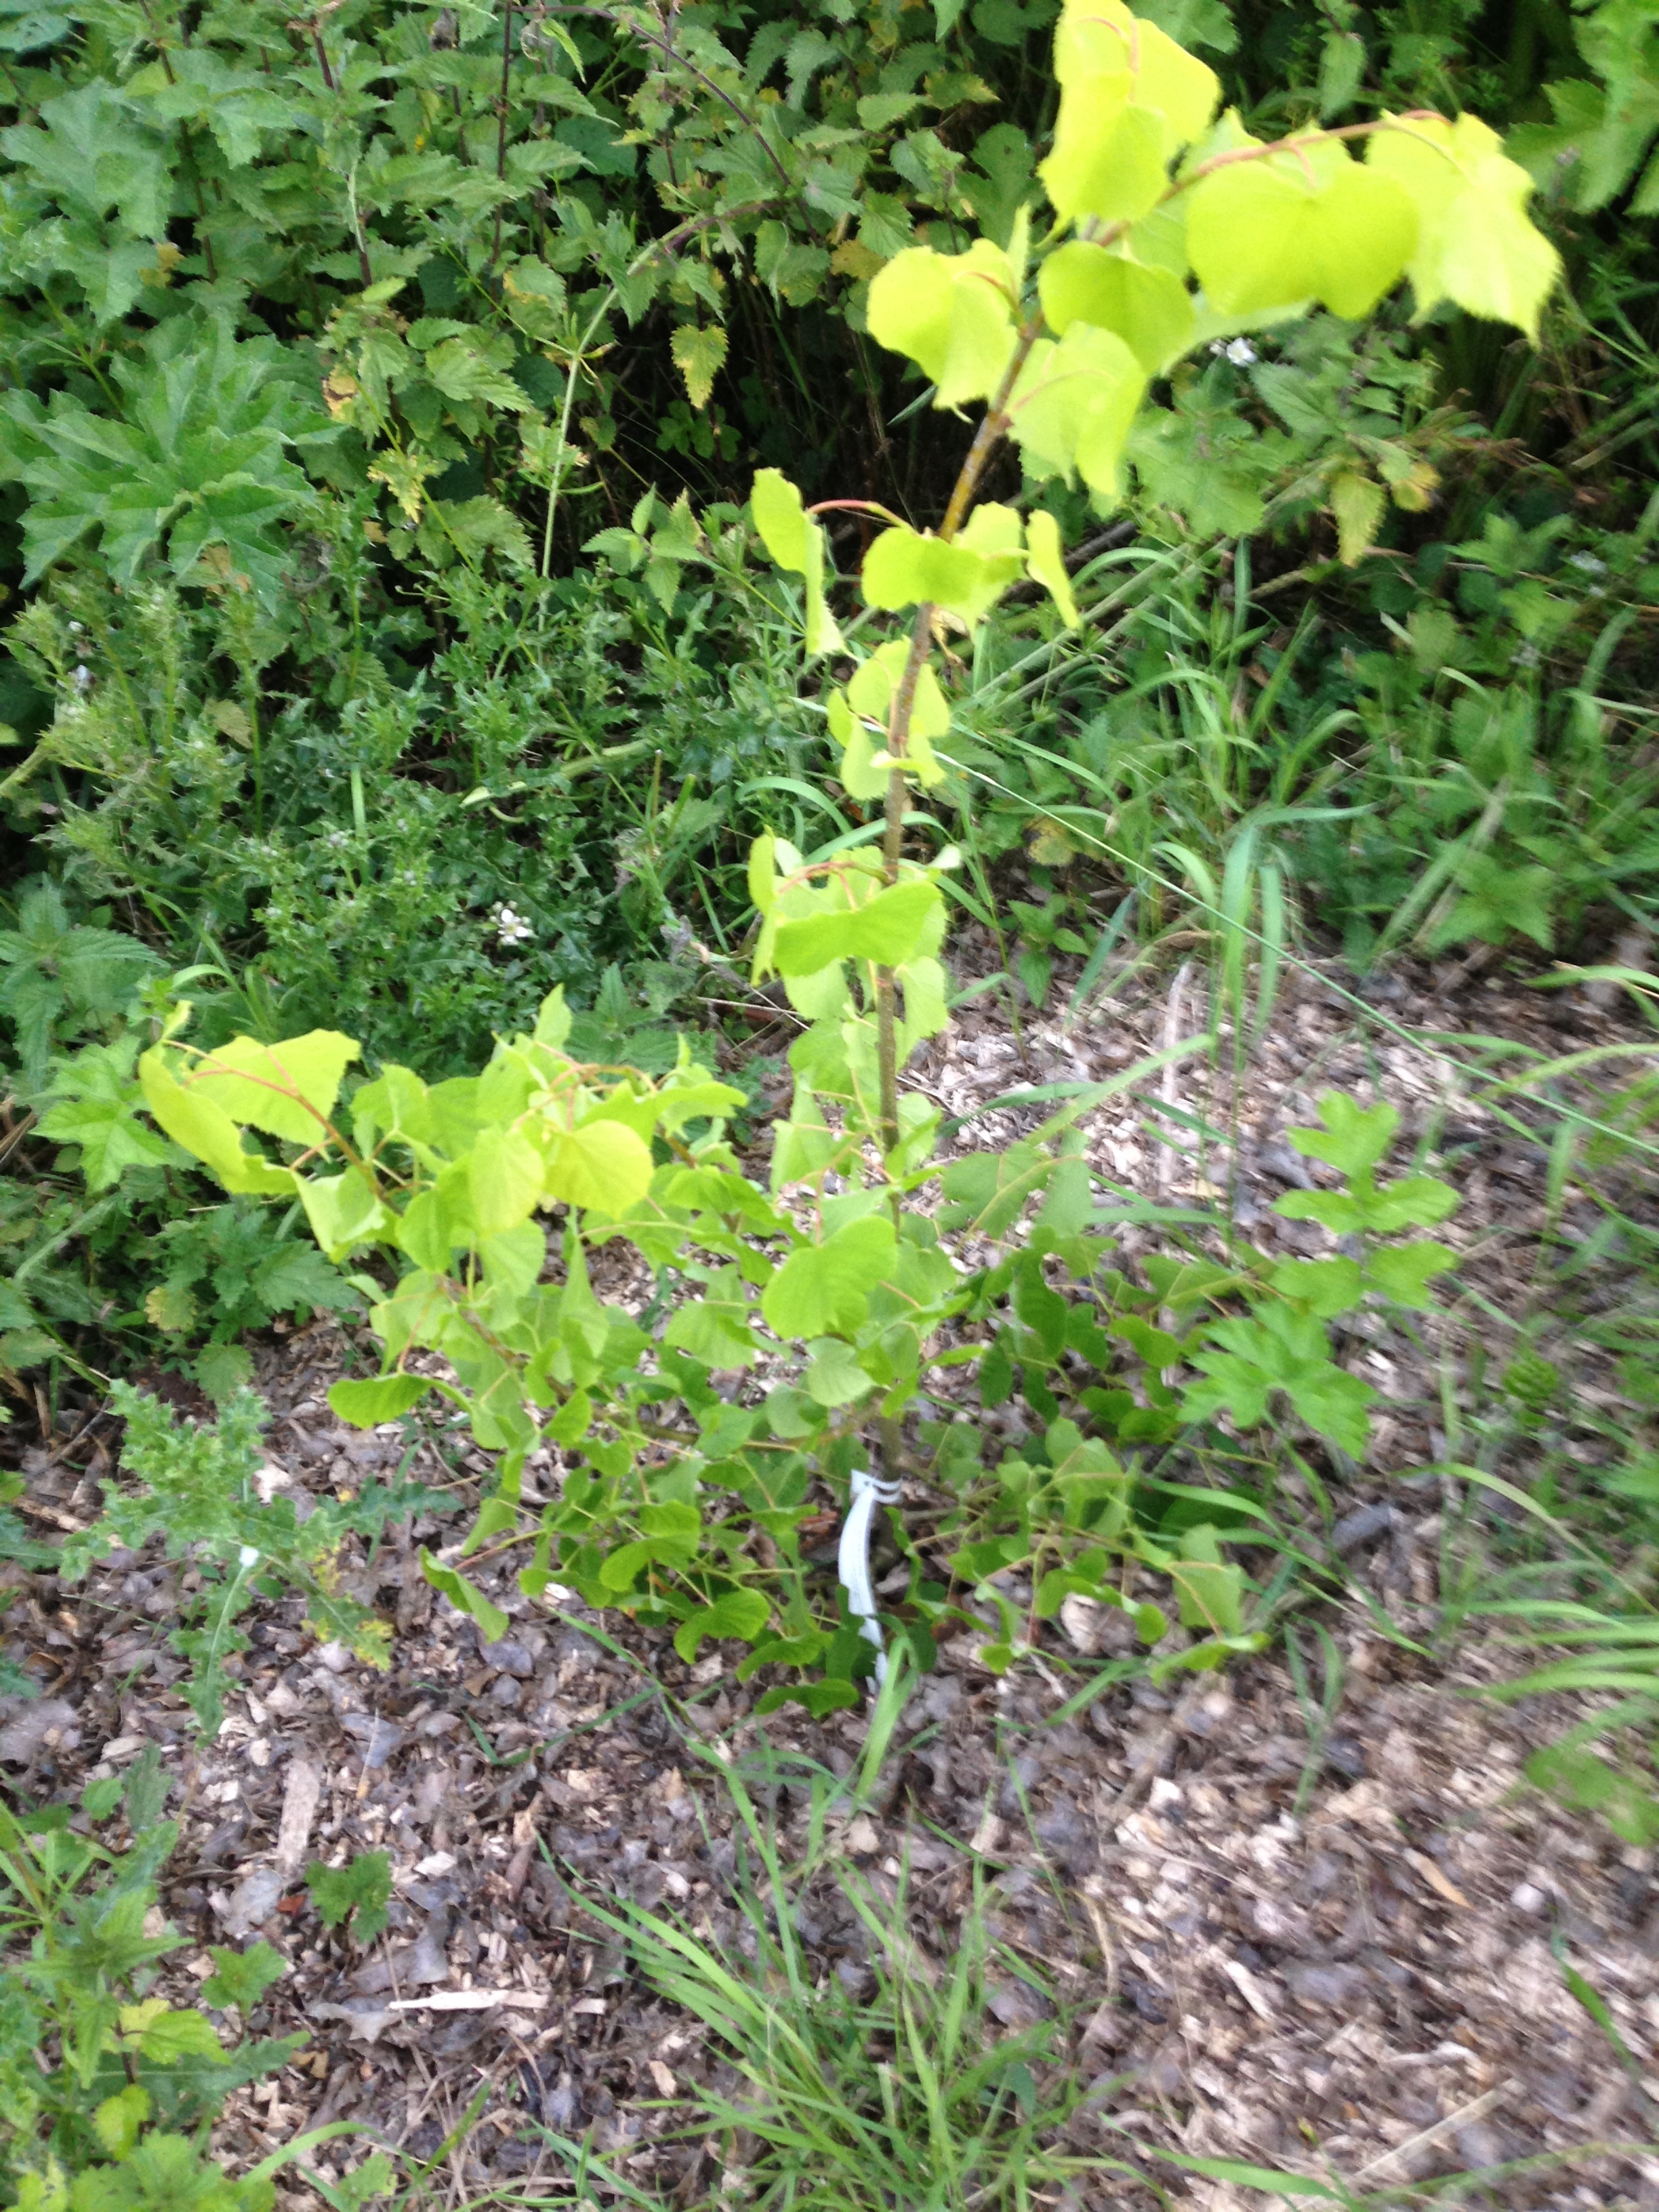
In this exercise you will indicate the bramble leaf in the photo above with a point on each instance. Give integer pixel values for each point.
(699, 355)
(358, 1892)
(1359, 504)
(602, 1164)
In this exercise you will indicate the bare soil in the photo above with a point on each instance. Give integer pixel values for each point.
(1338, 1950)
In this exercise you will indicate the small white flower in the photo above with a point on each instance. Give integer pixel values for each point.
(83, 676)
(512, 928)
(248, 1556)
(1240, 353)
(1587, 564)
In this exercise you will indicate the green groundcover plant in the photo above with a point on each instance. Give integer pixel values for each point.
(108, 2091)
(834, 1267)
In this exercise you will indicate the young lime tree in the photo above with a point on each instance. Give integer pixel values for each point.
(1171, 229)
(686, 1504)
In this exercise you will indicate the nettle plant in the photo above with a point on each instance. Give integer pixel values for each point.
(694, 1504)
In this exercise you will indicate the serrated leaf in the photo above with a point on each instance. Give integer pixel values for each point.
(1359, 504)
(699, 355)
(473, 528)
(1310, 223)
(1110, 166)
(1475, 244)
(358, 1892)
(241, 1978)
(835, 1375)
(1403, 1272)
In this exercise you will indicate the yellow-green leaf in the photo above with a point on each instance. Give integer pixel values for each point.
(1130, 99)
(866, 762)
(118, 2120)
(795, 542)
(343, 1210)
(1151, 309)
(383, 1398)
(1110, 166)
(1475, 244)
(1357, 503)
(952, 315)
(699, 355)
(886, 929)
(207, 1132)
(287, 1089)
(824, 1289)
(1072, 406)
(762, 876)
(1311, 224)
(602, 1164)
(504, 1179)
(1045, 563)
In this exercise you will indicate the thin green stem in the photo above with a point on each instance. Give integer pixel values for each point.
(991, 430)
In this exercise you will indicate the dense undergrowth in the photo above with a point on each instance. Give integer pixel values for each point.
(392, 645)
(401, 675)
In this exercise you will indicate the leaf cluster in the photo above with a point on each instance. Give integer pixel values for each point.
(106, 2088)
